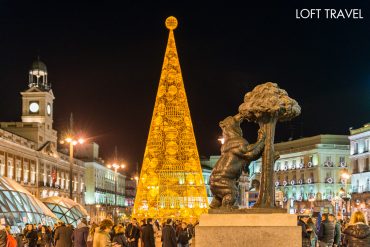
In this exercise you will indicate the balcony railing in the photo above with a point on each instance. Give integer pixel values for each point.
(47, 184)
(361, 189)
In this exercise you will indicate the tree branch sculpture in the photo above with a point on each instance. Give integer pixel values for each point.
(266, 104)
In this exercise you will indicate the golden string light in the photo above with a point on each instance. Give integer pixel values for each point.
(171, 182)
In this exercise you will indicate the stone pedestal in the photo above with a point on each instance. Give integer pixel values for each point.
(244, 230)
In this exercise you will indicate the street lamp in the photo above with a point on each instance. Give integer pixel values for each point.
(221, 140)
(72, 141)
(97, 212)
(345, 175)
(311, 199)
(116, 167)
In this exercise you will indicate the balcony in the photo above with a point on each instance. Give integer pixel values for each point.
(328, 164)
(361, 189)
(48, 185)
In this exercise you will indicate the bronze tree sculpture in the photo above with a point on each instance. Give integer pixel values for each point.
(266, 104)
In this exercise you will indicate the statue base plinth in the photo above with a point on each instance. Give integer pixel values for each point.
(252, 229)
(248, 211)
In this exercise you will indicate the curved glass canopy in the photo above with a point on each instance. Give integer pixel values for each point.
(18, 206)
(67, 210)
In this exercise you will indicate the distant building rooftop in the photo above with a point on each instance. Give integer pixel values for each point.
(362, 129)
(318, 141)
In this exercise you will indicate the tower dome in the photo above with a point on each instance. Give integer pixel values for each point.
(38, 65)
(38, 75)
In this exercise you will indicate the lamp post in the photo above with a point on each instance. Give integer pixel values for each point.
(311, 199)
(115, 167)
(97, 213)
(345, 175)
(72, 141)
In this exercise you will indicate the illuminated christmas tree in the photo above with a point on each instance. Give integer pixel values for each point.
(171, 182)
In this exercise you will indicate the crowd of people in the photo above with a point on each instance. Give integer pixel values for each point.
(147, 233)
(326, 231)
(317, 231)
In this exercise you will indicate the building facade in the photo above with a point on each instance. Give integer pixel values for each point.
(309, 172)
(360, 168)
(100, 188)
(28, 149)
(101, 192)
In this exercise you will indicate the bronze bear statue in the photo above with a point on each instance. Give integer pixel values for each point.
(236, 154)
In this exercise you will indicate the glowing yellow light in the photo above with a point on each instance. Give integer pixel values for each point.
(68, 139)
(81, 140)
(74, 142)
(222, 140)
(171, 23)
(346, 175)
(171, 180)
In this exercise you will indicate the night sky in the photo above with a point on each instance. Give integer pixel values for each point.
(104, 61)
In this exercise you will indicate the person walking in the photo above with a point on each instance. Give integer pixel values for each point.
(313, 236)
(157, 233)
(80, 234)
(326, 232)
(31, 236)
(147, 232)
(357, 233)
(132, 233)
(44, 237)
(63, 236)
(168, 234)
(183, 235)
(337, 230)
(3, 236)
(101, 235)
(90, 238)
(306, 230)
(119, 236)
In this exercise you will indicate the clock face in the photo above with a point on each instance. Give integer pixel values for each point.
(48, 109)
(34, 107)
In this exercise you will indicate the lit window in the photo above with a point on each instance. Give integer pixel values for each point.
(25, 172)
(10, 169)
(18, 171)
(33, 173)
(2, 167)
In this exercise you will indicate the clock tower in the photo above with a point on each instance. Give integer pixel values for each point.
(37, 101)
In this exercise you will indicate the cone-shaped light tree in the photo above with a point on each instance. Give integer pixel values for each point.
(266, 104)
(171, 184)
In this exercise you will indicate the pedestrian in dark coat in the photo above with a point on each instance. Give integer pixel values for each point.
(168, 235)
(31, 236)
(63, 236)
(3, 237)
(133, 233)
(80, 234)
(306, 231)
(119, 236)
(183, 236)
(337, 233)
(357, 234)
(44, 237)
(148, 234)
(326, 232)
